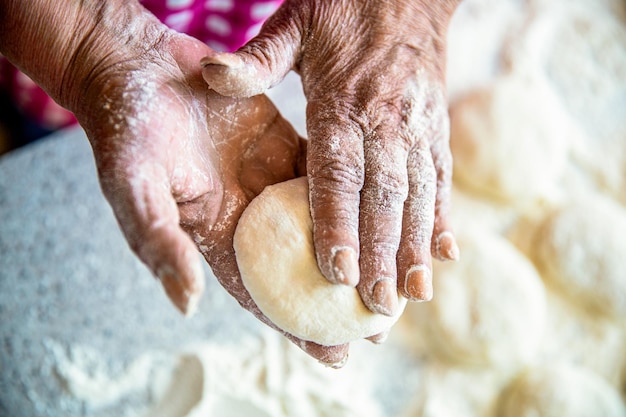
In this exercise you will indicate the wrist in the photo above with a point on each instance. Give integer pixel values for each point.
(66, 46)
(35, 36)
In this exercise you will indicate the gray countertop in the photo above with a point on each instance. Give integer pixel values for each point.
(67, 277)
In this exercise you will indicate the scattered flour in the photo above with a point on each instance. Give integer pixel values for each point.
(263, 376)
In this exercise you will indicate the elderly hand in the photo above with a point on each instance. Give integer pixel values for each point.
(171, 153)
(177, 162)
(378, 162)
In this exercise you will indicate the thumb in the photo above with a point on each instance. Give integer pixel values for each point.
(263, 62)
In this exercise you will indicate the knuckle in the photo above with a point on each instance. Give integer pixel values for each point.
(421, 166)
(386, 181)
(338, 175)
(425, 109)
(385, 242)
(385, 195)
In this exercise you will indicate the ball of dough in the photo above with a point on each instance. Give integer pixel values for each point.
(510, 141)
(581, 249)
(560, 390)
(274, 248)
(489, 307)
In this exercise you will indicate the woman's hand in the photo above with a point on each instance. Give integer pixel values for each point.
(177, 162)
(379, 163)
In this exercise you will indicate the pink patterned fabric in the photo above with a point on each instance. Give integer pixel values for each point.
(224, 25)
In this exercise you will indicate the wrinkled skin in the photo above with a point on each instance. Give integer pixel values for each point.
(184, 162)
(177, 162)
(379, 164)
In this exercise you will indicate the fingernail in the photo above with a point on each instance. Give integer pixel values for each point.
(192, 305)
(385, 297)
(226, 60)
(183, 300)
(418, 283)
(447, 247)
(337, 365)
(379, 338)
(346, 267)
(325, 354)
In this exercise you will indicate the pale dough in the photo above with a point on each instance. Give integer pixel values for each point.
(581, 250)
(586, 64)
(510, 140)
(560, 390)
(489, 308)
(274, 247)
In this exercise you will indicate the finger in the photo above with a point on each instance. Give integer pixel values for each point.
(301, 164)
(414, 258)
(335, 169)
(263, 62)
(148, 216)
(382, 200)
(173, 258)
(444, 246)
(331, 356)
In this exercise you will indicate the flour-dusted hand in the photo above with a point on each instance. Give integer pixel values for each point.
(177, 162)
(378, 162)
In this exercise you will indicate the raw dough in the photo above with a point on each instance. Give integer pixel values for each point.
(581, 249)
(510, 141)
(587, 67)
(274, 247)
(489, 307)
(560, 390)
